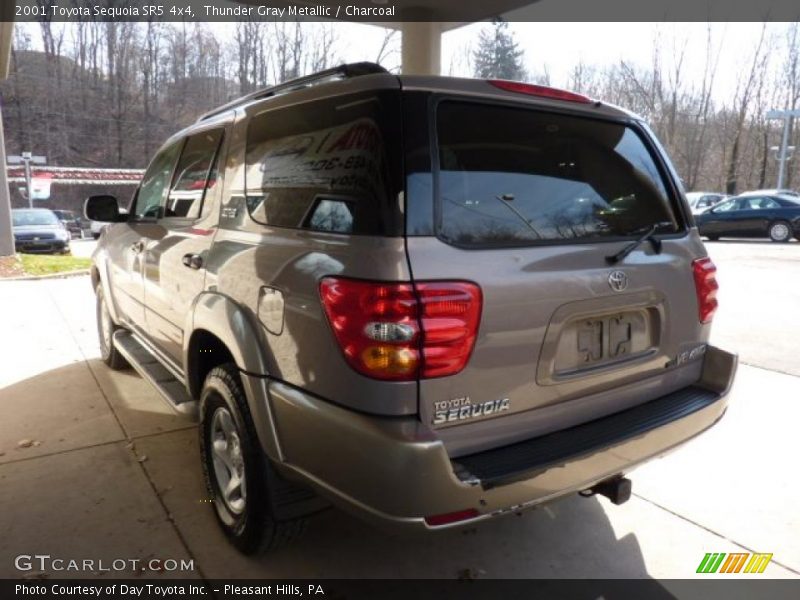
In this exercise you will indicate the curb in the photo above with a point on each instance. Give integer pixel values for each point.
(63, 275)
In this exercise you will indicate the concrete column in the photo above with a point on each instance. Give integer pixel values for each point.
(6, 233)
(422, 48)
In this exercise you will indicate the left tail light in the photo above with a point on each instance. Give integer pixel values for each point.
(403, 331)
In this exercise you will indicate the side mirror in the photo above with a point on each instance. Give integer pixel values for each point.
(103, 208)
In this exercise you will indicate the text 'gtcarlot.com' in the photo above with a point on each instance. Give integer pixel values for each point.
(46, 562)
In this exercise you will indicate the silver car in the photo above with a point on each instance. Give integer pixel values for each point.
(428, 301)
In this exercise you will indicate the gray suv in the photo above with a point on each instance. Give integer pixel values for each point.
(428, 301)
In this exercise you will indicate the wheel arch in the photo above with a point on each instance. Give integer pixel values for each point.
(222, 324)
(222, 331)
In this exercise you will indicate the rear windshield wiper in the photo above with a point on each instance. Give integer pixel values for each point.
(649, 236)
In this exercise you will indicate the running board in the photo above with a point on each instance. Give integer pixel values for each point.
(172, 390)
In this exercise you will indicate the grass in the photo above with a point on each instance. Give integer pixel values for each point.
(46, 264)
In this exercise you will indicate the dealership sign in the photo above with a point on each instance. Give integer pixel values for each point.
(40, 187)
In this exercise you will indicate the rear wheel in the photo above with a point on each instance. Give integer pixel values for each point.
(712, 238)
(780, 231)
(237, 472)
(105, 332)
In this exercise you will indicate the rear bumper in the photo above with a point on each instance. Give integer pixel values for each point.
(395, 471)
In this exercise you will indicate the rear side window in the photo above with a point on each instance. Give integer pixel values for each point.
(331, 165)
(512, 176)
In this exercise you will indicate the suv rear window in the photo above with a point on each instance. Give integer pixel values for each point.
(332, 165)
(514, 176)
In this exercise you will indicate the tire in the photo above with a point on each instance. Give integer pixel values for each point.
(246, 516)
(780, 231)
(712, 238)
(105, 331)
(96, 235)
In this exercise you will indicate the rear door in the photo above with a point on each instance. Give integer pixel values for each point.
(758, 214)
(529, 204)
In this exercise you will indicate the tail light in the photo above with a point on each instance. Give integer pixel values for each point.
(402, 331)
(705, 283)
(542, 91)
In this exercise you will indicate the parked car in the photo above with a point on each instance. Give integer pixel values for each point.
(752, 216)
(430, 301)
(38, 230)
(72, 221)
(773, 192)
(700, 201)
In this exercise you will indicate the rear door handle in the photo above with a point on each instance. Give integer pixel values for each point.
(193, 261)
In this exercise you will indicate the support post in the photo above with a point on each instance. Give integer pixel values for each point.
(26, 159)
(422, 48)
(782, 157)
(6, 232)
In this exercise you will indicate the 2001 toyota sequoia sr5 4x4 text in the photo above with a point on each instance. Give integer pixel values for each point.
(426, 300)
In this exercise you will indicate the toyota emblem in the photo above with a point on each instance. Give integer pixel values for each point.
(618, 281)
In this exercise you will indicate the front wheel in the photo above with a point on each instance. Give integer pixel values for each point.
(780, 231)
(105, 332)
(236, 470)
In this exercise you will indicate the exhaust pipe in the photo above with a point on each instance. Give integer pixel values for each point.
(616, 489)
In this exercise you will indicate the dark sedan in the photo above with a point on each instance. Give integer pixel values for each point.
(72, 221)
(775, 217)
(39, 230)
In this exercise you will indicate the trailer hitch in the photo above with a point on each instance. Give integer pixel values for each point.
(617, 489)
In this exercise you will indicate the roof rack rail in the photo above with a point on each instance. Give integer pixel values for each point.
(345, 71)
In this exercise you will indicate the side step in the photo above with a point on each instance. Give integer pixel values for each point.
(172, 390)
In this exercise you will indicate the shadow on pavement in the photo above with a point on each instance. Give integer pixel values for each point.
(104, 492)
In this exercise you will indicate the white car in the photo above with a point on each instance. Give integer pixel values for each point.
(702, 201)
(783, 192)
(97, 228)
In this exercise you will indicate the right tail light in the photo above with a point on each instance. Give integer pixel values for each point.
(706, 286)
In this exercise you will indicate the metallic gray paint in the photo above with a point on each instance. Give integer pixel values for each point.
(530, 294)
(395, 472)
(368, 445)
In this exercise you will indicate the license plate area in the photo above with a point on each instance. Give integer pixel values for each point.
(603, 340)
(581, 341)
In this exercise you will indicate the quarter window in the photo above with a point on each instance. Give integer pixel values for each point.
(332, 165)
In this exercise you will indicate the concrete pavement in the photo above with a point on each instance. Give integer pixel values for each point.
(110, 472)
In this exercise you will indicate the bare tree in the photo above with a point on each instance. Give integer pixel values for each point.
(746, 89)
